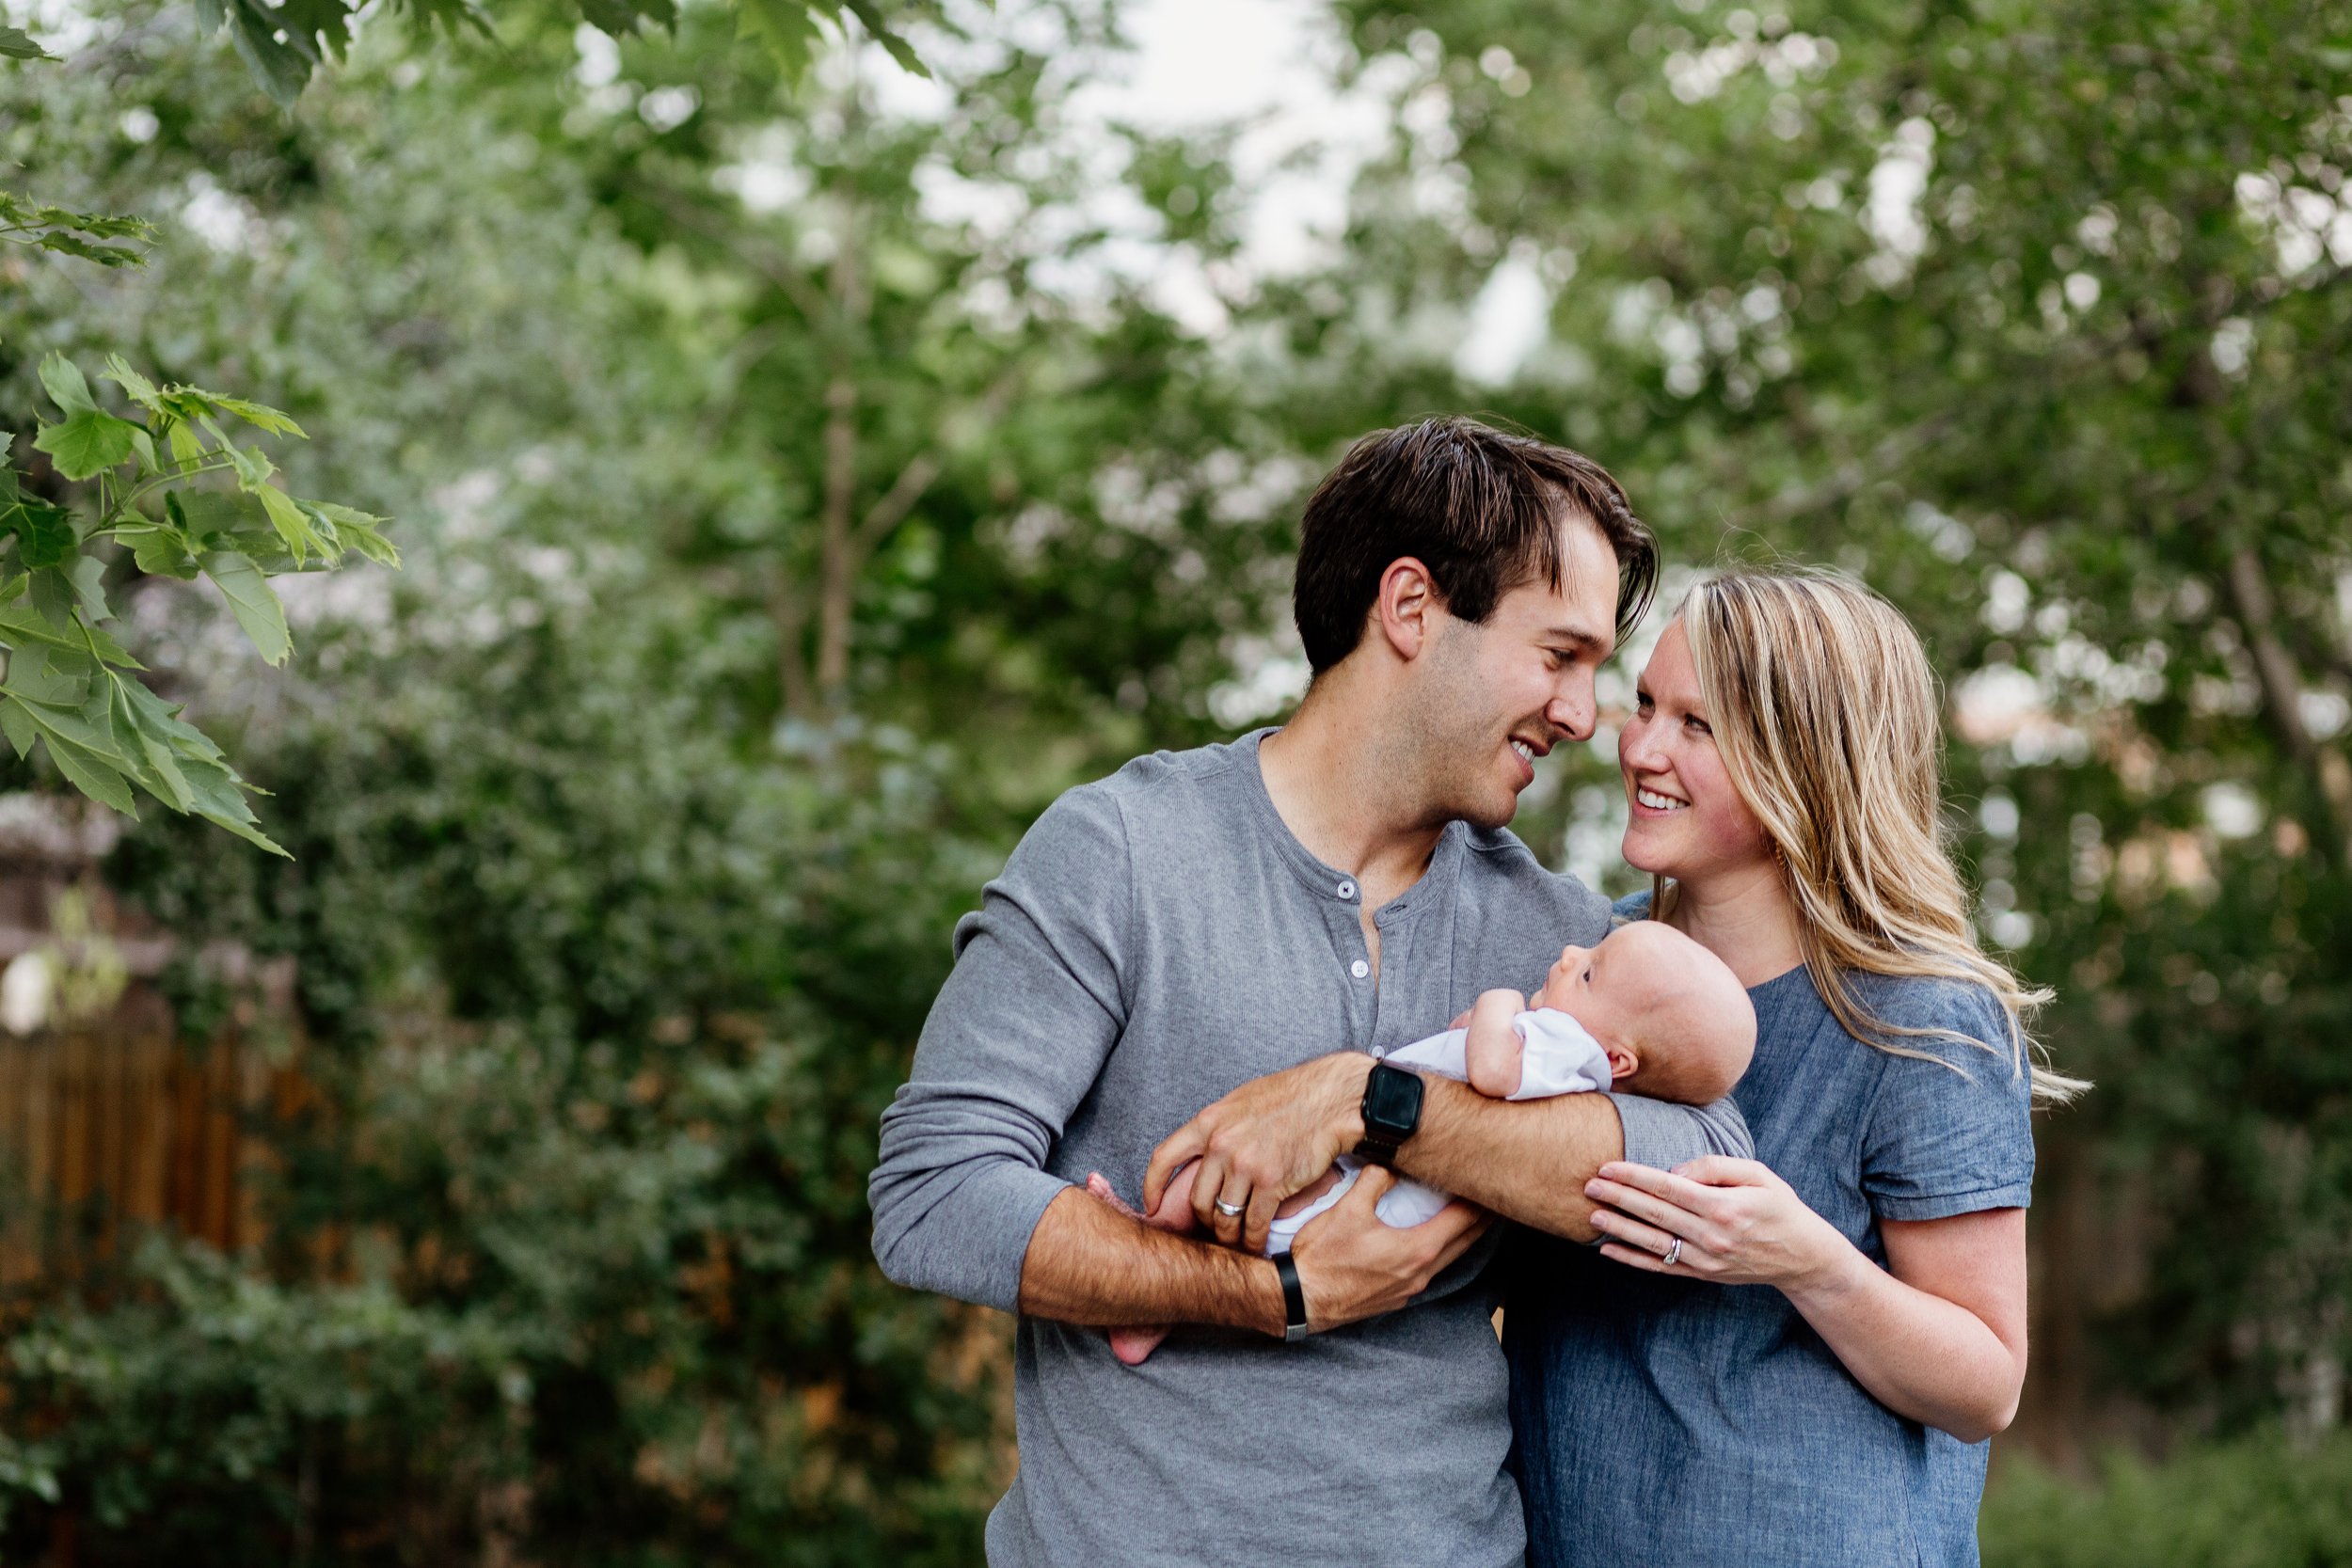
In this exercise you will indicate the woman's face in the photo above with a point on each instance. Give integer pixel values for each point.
(1686, 820)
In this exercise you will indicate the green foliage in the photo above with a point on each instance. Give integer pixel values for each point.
(284, 43)
(68, 688)
(205, 1412)
(70, 233)
(2261, 1502)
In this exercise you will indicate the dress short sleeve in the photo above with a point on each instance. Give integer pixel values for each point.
(1951, 1135)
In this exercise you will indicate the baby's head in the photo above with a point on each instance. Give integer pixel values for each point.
(1674, 1020)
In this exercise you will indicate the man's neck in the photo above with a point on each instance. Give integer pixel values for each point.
(1337, 790)
(1744, 918)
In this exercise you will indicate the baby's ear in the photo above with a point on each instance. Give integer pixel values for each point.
(1623, 1062)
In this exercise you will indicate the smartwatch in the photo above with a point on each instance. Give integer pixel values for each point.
(1391, 1111)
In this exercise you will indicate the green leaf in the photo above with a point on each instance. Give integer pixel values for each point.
(280, 67)
(181, 441)
(225, 520)
(88, 573)
(161, 776)
(900, 51)
(53, 675)
(71, 725)
(92, 775)
(357, 530)
(260, 415)
(161, 551)
(219, 797)
(54, 597)
(16, 45)
(787, 28)
(214, 792)
(252, 464)
(135, 386)
(20, 626)
(252, 601)
(67, 244)
(87, 443)
(18, 728)
(44, 533)
(285, 514)
(63, 378)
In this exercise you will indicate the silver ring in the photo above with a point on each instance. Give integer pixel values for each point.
(1672, 1253)
(1231, 1210)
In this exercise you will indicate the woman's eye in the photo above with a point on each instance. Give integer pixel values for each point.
(1699, 725)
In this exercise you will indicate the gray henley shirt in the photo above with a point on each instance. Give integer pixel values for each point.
(1157, 939)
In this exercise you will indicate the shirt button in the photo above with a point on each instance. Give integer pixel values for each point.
(1347, 890)
(1359, 969)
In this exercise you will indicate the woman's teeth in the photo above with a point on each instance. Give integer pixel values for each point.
(1656, 801)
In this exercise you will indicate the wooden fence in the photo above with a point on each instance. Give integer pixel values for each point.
(120, 1125)
(118, 1121)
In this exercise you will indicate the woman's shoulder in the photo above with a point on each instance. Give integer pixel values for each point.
(1904, 1002)
(1970, 1053)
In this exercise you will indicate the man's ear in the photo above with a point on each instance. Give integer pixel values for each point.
(1408, 600)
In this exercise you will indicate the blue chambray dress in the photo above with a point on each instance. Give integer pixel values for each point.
(1669, 1423)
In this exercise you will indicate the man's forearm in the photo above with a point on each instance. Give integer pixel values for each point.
(1087, 1263)
(1525, 1159)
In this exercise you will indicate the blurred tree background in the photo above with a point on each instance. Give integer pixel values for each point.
(800, 482)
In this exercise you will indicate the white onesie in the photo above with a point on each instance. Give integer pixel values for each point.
(1560, 1057)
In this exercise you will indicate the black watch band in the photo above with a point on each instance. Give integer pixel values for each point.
(1391, 1111)
(1294, 1299)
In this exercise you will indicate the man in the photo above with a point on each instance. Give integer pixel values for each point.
(1344, 885)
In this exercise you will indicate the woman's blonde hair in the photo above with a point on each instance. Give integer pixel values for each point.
(1827, 717)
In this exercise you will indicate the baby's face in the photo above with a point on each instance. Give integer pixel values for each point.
(1604, 986)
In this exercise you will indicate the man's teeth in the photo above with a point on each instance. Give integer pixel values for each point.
(1656, 801)
(1526, 752)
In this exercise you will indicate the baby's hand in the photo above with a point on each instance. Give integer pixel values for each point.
(1492, 1052)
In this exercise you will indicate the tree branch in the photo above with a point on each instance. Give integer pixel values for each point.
(926, 465)
(2281, 685)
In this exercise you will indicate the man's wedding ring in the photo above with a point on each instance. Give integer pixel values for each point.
(1672, 1253)
(1231, 1210)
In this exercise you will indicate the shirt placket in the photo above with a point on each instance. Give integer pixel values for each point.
(1343, 899)
(1396, 944)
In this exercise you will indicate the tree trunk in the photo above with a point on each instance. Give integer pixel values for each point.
(838, 584)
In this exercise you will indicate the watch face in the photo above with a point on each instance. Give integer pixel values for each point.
(1392, 1101)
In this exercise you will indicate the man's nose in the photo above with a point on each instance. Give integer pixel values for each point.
(1573, 712)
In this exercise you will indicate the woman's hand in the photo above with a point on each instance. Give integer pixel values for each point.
(1262, 1142)
(1736, 1222)
(1938, 1334)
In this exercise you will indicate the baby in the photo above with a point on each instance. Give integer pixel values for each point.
(1647, 1011)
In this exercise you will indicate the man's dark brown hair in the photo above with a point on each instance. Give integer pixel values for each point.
(1479, 507)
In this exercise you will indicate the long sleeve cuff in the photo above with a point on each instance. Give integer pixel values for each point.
(962, 1232)
(1661, 1133)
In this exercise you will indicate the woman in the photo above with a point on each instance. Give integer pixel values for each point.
(1806, 1352)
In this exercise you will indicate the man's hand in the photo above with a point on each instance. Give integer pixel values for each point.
(1352, 1265)
(1263, 1142)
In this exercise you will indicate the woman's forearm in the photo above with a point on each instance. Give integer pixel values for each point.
(1918, 1355)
